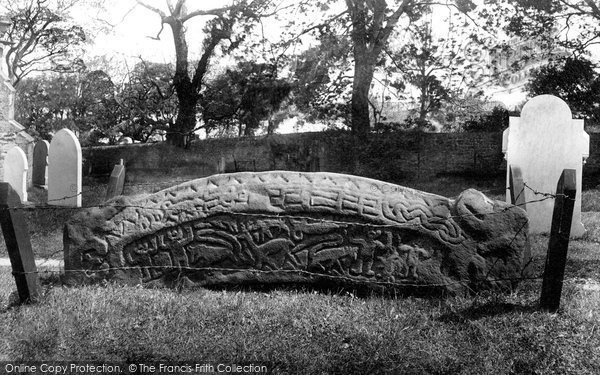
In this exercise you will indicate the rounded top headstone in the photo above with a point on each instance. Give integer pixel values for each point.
(65, 137)
(41, 146)
(17, 158)
(546, 107)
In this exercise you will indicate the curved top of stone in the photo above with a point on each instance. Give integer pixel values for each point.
(42, 144)
(315, 195)
(64, 137)
(547, 106)
(16, 156)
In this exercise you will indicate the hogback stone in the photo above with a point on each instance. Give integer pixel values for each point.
(291, 227)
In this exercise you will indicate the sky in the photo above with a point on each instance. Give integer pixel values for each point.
(135, 28)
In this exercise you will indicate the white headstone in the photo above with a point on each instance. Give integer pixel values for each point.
(15, 171)
(64, 170)
(542, 142)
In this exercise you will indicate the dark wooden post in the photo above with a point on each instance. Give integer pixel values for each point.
(117, 181)
(516, 186)
(16, 236)
(556, 258)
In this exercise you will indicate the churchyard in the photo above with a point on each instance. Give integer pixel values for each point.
(311, 330)
(322, 267)
(293, 325)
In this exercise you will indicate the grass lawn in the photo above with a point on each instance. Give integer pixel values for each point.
(307, 332)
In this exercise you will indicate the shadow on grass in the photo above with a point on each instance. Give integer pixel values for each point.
(487, 310)
(318, 283)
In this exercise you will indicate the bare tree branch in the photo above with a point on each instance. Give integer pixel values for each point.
(162, 14)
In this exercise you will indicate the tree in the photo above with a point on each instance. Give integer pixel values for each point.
(368, 25)
(372, 24)
(572, 24)
(218, 29)
(576, 81)
(441, 66)
(147, 101)
(244, 97)
(46, 103)
(422, 66)
(82, 102)
(97, 110)
(43, 36)
(322, 79)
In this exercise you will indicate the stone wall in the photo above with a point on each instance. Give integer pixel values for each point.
(396, 157)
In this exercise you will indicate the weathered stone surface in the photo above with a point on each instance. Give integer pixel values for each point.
(40, 163)
(290, 227)
(64, 170)
(116, 181)
(15, 171)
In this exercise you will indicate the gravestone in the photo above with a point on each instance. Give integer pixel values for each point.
(15, 171)
(543, 142)
(40, 163)
(117, 181)
(64, 170)
(293, 227)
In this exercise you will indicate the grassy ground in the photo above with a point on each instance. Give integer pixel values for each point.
(306, 332)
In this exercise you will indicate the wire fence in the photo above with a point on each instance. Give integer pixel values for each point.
(182, 270)
(178, 271)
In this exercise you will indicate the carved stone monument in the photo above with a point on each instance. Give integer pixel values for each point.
(291, 227)
(15, 171)
(40, 163)
(543, 142)
(64, 170)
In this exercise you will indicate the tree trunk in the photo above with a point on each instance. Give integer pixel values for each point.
(182, 132)
(363, 76)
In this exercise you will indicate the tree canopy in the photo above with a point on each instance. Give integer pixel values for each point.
(244, 96)
(188, 82)
(334, 60)
(576, 81)
(44, 36)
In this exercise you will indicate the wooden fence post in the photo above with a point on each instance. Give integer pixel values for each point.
(516, 187)
(117, 181)
(16, 237)
(556, 258)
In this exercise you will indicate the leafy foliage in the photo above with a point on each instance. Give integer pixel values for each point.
(97, 107)
(85, 103)
(43, 37)
(495, 121)
(46, 104)
(188, 82)
(572, 24)
(437, 69)
(321, 89)
(576, 81)
(244, 97)
(147, 101)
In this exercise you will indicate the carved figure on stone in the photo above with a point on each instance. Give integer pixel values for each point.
(264, 253)
(413, 255)
(367, 248)
(391, 266)
(288, 227)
